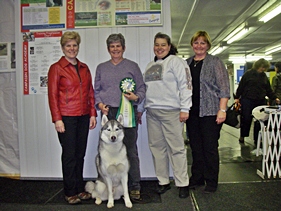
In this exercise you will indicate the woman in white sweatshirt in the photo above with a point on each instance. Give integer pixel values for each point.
(168, 100)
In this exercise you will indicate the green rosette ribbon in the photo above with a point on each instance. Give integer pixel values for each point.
(126, 107)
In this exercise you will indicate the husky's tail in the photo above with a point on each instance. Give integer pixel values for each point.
(90, 186)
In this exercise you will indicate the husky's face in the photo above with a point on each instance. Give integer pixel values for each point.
(112, 130)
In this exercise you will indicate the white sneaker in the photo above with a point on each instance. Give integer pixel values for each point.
(254, 152)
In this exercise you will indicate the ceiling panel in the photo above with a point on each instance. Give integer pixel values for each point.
(219, 18)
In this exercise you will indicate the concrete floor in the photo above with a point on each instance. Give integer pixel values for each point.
(240, 187)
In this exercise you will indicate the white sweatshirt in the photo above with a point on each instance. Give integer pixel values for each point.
(168, 84)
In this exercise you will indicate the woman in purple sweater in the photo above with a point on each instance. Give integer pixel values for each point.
(109, 74)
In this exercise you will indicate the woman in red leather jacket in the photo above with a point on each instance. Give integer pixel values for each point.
(72, 106)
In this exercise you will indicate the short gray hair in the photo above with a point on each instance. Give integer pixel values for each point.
(115, 38)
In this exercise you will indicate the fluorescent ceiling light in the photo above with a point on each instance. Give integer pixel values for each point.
(214, 49)
(255, 58)
(239, 28)
(271, 14)
(238, 61)
(237, 36)
(218, 50)
(243, 59)
(273, 49)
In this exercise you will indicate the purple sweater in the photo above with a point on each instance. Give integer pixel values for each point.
(107, 82)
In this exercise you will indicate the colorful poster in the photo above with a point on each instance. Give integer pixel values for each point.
(99, 13)
(40, 50)
(68, 14)
(43, 15)
(7, 57)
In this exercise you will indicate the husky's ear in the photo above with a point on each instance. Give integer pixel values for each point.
(120, 119)
(104, 120)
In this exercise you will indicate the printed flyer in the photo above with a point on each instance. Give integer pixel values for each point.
(40, 50)
(43, 15)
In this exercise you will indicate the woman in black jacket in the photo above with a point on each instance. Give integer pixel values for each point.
(251, 92)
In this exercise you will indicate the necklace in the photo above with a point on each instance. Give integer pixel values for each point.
(197, 62)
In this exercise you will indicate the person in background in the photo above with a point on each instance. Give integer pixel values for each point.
(276, 81)
(210, 95)
(251, 92)
(109, 74)
(72, 106)
(167, 103)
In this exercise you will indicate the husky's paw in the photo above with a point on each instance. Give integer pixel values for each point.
(110, 204)
(128, 204)
(98, 201)
(127, 201)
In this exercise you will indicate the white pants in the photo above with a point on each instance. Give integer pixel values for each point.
(166, 144)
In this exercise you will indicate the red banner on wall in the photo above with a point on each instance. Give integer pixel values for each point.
(70, 14)
(25, 69)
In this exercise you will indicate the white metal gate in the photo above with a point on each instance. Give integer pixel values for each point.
(270, 138)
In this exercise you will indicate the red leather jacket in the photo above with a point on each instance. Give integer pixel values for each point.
(69, 94)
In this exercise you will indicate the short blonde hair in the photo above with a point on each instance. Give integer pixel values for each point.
(70, 35)
(205, 36)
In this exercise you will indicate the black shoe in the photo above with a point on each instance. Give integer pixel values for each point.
(194, 185)
(241, 141)
(183, 192)
(163, 188)
(210, 189)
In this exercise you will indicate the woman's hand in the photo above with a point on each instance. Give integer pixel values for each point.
(93, 122)
(237, 101)
(184, 116)
(221, 116)
(104, 108)
(59, 125)
(131, 96)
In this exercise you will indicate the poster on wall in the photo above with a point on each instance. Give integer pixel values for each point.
(68, 14)
(98, 13)
(40, 50)
(3, 56)
(7, 57)
(42, 15)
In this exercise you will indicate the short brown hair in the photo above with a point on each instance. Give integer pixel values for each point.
(261, 63)
(205, 36)
(70, 35)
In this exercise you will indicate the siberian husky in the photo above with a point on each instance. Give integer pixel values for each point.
(112, 165)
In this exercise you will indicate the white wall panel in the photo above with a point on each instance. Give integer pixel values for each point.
(39, 146)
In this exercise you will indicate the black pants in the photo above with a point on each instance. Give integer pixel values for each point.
(130, 141)
(204, 134)
(74, 143)
(247, 106)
